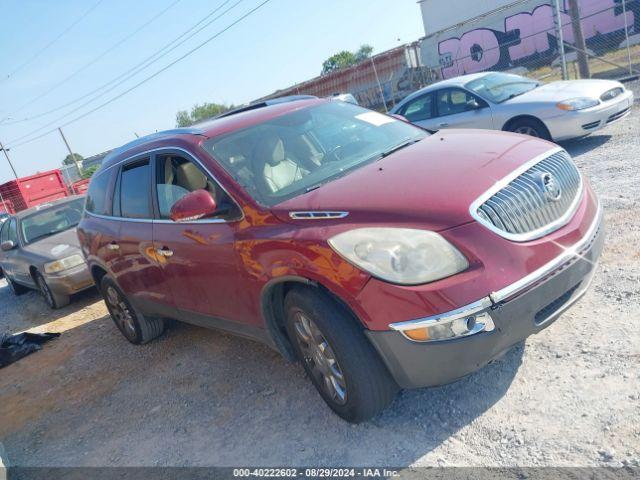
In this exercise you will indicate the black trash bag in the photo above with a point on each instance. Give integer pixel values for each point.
(14, 347)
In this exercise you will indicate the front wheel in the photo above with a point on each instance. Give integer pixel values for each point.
(136, 327)
(340, 361)
(53, 300)
(531, 127)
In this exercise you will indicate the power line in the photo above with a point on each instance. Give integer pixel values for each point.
(134, 71)
(90, 63)
(199, 46)
(48, 45)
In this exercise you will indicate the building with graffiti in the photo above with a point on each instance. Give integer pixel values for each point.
(479, 35)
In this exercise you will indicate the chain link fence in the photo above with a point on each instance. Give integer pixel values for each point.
(548, 40)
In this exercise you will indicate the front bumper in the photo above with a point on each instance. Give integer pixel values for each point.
(583, 122)
(70, 281)
(518, 311)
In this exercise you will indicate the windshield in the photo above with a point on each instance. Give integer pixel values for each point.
(500, 87)
(52, 220)
(294, 153)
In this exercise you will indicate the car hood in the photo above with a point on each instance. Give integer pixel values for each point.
(56, 246)
(431, 183)
(559, 91)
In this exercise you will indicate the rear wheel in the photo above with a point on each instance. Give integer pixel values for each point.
(53, 300)
(136, 327)
(16, 288)
(531, 127)
(340, 361)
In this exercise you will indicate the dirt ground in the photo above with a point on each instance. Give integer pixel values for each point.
(570, 396)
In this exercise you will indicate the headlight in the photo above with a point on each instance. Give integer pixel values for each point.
(400, 255)
(63, 264)
(577, 104)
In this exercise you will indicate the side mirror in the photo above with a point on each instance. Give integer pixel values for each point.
(8, 245)
(193, 206)
(399, 117)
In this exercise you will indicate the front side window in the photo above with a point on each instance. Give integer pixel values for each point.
(51, 220)
(452, 101)
(4, 231)
(12, 231)
(176, 176)
(291, 154)
(500, 87)
(419, 109)
(135, 181)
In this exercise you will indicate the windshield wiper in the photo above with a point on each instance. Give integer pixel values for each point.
(386, 153)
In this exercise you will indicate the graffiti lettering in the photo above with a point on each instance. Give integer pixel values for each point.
(530, 36)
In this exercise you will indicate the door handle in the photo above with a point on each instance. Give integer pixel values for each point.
(165, 252)
(444, 124)
(113, 246)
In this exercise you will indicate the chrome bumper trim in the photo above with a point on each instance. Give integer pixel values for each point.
(549, 267)
(511, 290)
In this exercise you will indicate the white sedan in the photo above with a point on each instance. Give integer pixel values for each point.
(502, 101)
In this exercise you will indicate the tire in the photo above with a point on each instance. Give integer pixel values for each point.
(348, 356)
(16, 288)
(136, 327)
(531, 127)
(53, 300)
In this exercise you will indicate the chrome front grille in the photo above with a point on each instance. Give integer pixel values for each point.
(535, 200)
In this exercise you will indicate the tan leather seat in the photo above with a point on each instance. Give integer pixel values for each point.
(277, 169)
(190, 177)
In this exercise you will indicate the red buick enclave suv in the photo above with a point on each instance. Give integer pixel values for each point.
(380, 255)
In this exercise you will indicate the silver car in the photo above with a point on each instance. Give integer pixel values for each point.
(40, 250)
(502, 101)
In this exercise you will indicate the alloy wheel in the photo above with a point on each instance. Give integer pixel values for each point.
(120, 312)
(320, 358)
(527, 130)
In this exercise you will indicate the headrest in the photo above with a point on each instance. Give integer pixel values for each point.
(190, 177)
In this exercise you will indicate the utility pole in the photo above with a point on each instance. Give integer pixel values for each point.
(8, 160)
(557, 13)
(578, 35)
(375, 71)
(73, 157)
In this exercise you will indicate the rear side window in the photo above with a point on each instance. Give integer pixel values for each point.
(97, 194)
(135, 182)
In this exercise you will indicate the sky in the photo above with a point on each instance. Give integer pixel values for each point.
(42, 42)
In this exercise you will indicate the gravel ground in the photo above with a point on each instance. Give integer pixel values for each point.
(569, 396)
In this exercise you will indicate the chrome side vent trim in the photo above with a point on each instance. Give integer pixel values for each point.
(535, 200)
(317, 215)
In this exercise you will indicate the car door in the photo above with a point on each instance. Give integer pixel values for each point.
(458, 108)
(4, 236)
(136, 268)
(421, 111)
(197, 257)
(17, 269)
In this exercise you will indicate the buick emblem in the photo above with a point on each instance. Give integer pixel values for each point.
(550, 187)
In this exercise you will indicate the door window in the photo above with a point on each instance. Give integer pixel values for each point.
(176, 176)
(135, 181)
(451, 101)
(13, 231)
(419, 109)
(97, 194)
(4, 232)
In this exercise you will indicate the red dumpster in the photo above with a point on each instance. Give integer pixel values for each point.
(80, 187)
(26, 192)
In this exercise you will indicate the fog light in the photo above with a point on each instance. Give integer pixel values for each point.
(450, 328)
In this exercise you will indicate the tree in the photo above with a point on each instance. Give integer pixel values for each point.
(345, 59)
(88, 173)
(200, 112)
(69, 160)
